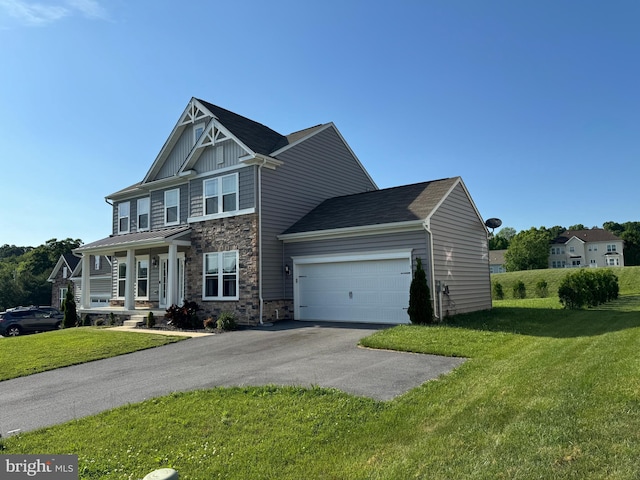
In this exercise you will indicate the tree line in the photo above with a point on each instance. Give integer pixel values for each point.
(24, 272)
(529, 249)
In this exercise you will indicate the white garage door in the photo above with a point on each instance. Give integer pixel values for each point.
(375, 291)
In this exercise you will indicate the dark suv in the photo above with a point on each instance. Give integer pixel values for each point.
(17, 321)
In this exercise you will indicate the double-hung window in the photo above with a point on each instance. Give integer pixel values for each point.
(123, 217)
(611, 248)
(97, 262)
(220, 272)
(221, 194)
(122, 278)
(172, 207)
(142, 277)
(143, 214)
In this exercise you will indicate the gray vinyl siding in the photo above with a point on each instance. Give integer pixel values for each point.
(461, 255)
(416, 240)
(230, 152)
(246, 191)
(178, 154)
(321, 167)
(157, 206)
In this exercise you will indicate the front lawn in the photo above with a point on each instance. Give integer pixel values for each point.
(27, 354)
(545, 393)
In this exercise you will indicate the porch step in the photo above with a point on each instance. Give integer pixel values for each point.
(135, 320)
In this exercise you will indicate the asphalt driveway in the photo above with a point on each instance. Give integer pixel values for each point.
(287, 353)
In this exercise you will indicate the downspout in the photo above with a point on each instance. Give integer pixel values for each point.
(436, 295)
(260, 239)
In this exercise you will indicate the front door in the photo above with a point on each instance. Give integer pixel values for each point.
(164, 279)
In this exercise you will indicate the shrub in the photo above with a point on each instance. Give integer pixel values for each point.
(151, 320)
(542, 289)
(588, 288)
(226, 321)
(519, 290)
(209, 323)
(87, 321)
(185, 316)
(70, 318)
(420, 308)
(498, 292)
(112, 319)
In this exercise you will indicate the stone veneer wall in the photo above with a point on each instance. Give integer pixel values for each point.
(274, 310)
(57, 284)
(226, 234)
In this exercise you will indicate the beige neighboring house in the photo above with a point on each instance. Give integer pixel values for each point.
(496, 261)
(586, 248)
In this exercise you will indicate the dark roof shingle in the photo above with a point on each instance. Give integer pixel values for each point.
(590, 235)
(378, 207)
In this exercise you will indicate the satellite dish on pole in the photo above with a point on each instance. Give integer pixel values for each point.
(493, 223)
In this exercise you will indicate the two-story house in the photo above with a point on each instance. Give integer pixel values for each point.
(68, 273)
(237, 217)
(586, 248)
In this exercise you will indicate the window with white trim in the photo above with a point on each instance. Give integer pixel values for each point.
(572, 249)
(122, 278)
(143, 214)
(96, 262)
(613, 262)
(172, 207)
(65, 272)
(123, 217)
(611, 248)
(197, 131)
(142, 277)
(221, 194)
(63, 295)
(220, 276)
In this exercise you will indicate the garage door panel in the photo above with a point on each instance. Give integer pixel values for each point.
(356, 291)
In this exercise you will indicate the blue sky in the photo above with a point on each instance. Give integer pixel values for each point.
(535, 104)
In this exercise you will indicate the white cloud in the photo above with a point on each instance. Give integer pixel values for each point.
(36, 14)
(89, 8)
(33, 13)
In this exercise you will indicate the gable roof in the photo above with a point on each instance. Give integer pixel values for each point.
(407, 203)
(496, 257)
(258, 137)
(591, 235)
(68, 260)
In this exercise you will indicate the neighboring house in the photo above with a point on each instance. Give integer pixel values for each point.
(237, 217)
(586, 248)
(68, 272)
(496, 261)
(61, 277)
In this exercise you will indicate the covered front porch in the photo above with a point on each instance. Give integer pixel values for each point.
(148, 271)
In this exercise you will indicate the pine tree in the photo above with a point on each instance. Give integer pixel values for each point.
(420, 308)
(69, 307)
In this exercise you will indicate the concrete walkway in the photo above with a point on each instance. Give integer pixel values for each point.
(287, 353)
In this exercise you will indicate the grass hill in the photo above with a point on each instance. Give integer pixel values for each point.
(628, 279)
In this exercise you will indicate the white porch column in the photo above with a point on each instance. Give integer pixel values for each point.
(85, 297)
(129, 299)
(172, 275)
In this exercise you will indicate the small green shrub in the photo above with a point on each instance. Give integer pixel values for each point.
(542, 289)
(87, 320)
(519, 290)
(498, 292)
(226, 321)
(209, 323)
(112, 319)
(151, 320)
(100, 322)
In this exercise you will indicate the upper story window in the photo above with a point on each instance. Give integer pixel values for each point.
(611, 248)
(65, 272)
(197, 131)
(143, 214)
(572, 249)
(221, 194)
(123, 217)
(172, 207)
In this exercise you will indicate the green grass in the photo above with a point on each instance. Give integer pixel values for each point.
(628, 279)
(27, 354)
(545, 393)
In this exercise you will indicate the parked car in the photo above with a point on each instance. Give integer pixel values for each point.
(15, 322)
